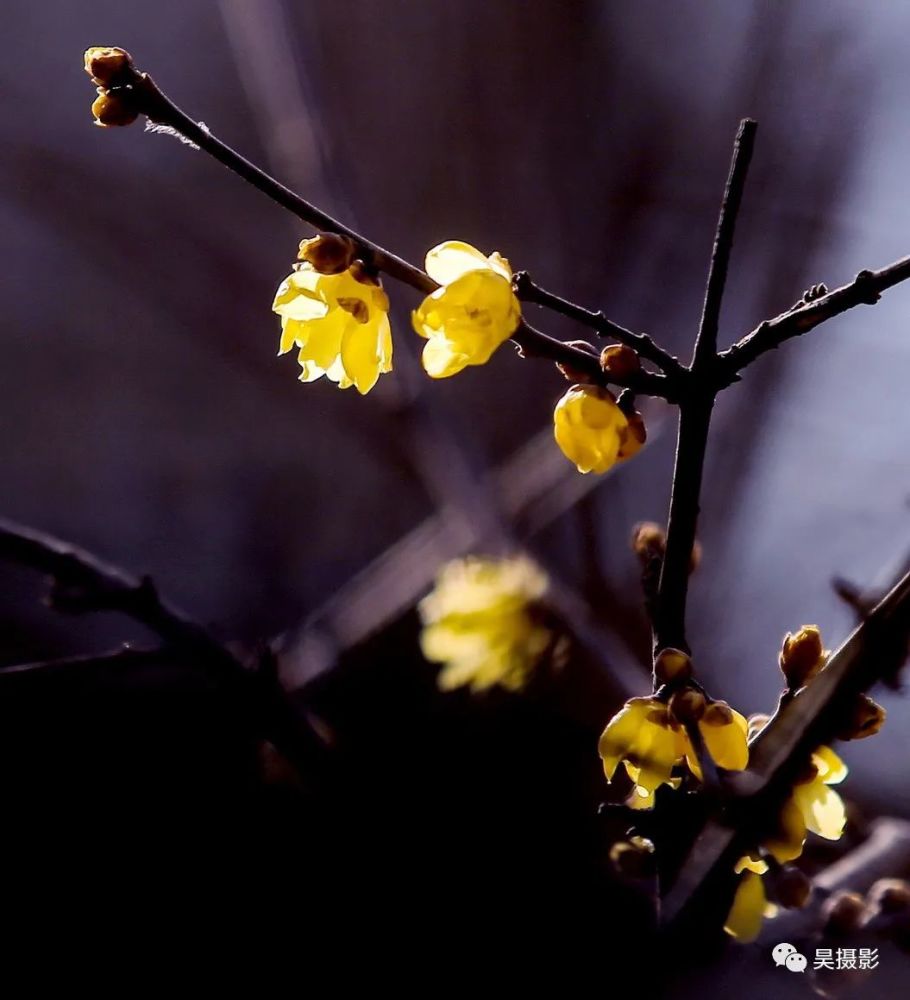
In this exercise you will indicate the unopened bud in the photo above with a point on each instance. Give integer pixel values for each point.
(108, 66)
(688, 706)
(328, 253)
(864, 718)
(671, 666)
(842, 912)
(112, 109)
(633, 436)
(792, 888)
(649, 541)
(572, 373)
(889, 896)
(634, 857)
(619, 361)
(802, 656)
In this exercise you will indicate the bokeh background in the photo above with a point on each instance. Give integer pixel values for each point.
(147, 417)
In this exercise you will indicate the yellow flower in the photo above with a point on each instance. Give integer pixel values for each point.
(592, 431)
(724, 732)
(471, 314)
(480, 622)
(749, 904)
(813, 806)
(642, 737)
(340, 323)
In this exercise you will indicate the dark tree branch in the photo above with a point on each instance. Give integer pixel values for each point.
(776, 755)
(528, 291)
(695, 416)
(125, 657)
(81, 583)
(865, 289)
(159, 108)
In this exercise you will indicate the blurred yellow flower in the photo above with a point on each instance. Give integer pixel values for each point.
(749, 904)
(340, 323)
(592, 431)
(480, 622)
(813, 805)
(471, 314)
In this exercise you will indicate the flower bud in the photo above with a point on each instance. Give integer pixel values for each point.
(634, 857)
(619, 361)
(802, 656)
(672, 666)
(633, 436)
(792, 888)
(113, 109)
(687, 706)
(842, 912)
(328, 253)
(649, 541)
(865, 718)
(108, 66)
(757, 723)
(889, 896)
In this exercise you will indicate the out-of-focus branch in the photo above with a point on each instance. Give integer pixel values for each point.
(81, 583)
(125, 657)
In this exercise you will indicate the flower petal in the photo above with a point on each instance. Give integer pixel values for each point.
(745, 917)
(450, 260)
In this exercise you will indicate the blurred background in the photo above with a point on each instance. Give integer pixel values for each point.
(148, 418)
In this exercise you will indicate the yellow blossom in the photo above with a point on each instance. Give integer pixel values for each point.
(724, 732)
(471, 314)
(592, 431)
(813, 806)
(749, 904)
(339, 322)
(642, 737)
(480, 622)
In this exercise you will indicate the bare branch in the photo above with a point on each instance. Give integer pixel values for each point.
(865, 289)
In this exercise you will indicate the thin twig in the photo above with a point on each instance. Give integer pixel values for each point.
(125, 657)
(695, 416)
(159, 108)
(865, 289)
(528, 291)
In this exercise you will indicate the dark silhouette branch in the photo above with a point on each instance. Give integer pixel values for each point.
(695, 408)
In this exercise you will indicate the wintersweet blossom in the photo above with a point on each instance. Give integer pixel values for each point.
(340, 324)
(472, 312)
(592, 431)
(481, 622)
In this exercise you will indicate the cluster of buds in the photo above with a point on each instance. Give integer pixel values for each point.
(113, 73)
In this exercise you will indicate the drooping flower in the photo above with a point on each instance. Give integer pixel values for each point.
(592, 431)
(748, 910)
(340, 324)
(472, 312)
(480, 621)
(724, 733)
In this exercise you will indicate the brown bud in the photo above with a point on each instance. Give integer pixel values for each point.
(108, 66)
(569, 371)
(802, 656)
(634, 857)
(671, 666)
(718, 713)
(865, 718)
(889, 895)
(649, 541)
(619, 361)
(634, 435)
(842, 912)
(792, 888)
(328, 253)
(687, 706)
(113, 109)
